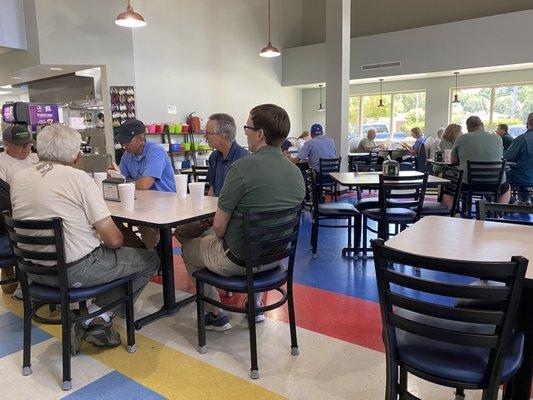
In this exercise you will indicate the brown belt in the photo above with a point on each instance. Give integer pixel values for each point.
(233, 258)
(86, 256)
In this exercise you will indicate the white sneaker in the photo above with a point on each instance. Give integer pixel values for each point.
(17, 294)
(259, 317)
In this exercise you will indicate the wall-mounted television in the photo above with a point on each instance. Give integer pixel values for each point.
(8, 113)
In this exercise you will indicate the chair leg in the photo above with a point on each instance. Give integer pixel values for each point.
(365, 234)
(200, 311)
(130, 329)
(508, 390)
(391, 390)
(66, 345)
(459, 394)
(350, 224)
(403, 381)
(254, 369)
(314, 237)
(26, 352)
(292, 319)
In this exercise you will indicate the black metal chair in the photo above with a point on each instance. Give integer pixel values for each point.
(45, 238)
(199, 174)
(270, 237)
(332, 211)
(326, 166)
(366, 163)
(456, 347)
(484, 181)
(499, 212)
(400, 203)
(452, 189)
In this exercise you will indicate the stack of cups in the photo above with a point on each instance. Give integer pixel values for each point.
(197, 195)
(178, 165)
(181, 185)
(126, 192)
(99, 177)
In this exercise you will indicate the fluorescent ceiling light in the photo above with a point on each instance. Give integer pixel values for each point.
(56, 69)
(16, 77)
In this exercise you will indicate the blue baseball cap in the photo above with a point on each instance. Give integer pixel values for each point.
(316, 129)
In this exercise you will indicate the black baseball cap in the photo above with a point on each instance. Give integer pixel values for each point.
(129, 129)
(18, 135)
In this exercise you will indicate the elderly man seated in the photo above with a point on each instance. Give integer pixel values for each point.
(54, 188)
(368, 144)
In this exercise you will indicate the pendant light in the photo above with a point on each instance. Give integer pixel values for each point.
(269, 51)
(320, 106)
(456, 96)
(381, 94)
(129, 18)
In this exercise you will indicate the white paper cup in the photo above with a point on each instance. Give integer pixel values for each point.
(197, 195)
(181, 185)
(126, 192)
(447, 156)
(178, 165)
(99, 177)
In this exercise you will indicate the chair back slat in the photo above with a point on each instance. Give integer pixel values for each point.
(485, 176)
(443, 335)
(413, 305)
(492, 211)
(271, 236)
(440, 311)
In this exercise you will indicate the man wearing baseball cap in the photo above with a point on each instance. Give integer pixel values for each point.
(320, 146)
(147, 164)
(17, 154)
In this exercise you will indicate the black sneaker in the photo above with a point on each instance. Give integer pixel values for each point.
(218, 323)
(102, 334)
(77, 334)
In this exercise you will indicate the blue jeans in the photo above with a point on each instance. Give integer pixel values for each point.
(5, 247)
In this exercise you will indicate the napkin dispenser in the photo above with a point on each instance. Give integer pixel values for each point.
(110, 188)
(439, 156)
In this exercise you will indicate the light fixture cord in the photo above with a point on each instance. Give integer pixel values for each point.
(268, 22)
(129, 5)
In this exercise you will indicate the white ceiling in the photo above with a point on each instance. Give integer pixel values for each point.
(39, 72)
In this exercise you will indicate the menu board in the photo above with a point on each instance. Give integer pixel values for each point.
(43, 114)
(8, 113)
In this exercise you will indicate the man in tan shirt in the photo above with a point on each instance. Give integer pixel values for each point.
(54, 188)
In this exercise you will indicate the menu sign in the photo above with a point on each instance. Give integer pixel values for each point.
(43, 114)
(8, 113)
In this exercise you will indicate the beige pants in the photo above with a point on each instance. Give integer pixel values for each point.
(149, 237)
(200, 250)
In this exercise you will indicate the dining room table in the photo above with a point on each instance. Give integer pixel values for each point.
(483, 241)
(370, 180)
(164, 211)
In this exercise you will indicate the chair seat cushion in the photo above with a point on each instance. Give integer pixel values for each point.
(50, 293)
(370, 202)
(451, 361)
(393, 214)
(337, 209)
(265, 279)
(434, 208)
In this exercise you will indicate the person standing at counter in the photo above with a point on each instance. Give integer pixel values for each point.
(149, 166)
(17, 154)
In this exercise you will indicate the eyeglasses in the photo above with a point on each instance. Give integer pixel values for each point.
(251, 128)
(210, 133)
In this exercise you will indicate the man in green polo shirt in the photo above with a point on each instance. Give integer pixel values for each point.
(265, 181)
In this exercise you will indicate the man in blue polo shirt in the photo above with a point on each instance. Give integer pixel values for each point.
(220, 134)
(320, 146)
(147, 164)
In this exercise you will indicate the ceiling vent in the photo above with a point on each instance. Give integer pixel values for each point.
(391, 64)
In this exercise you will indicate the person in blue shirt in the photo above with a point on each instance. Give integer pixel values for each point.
(320, 146)
(220, 133)
(521, 152)
(148, 164)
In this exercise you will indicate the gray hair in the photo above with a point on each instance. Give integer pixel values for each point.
(440, 131)
(58, 143)
(225, 125)
(530, 120)
(372, 130)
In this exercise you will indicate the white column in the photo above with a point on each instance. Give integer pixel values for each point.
(338, 73)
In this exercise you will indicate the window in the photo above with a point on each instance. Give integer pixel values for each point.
(393, 121)
(494, 105)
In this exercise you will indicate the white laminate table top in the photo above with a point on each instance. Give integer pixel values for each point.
(372, 178)
(163, 209)
(467, 239)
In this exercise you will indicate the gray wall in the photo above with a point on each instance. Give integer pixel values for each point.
(12, 25)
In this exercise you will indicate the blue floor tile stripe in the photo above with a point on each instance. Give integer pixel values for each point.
(11, 328)
(114, 386)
